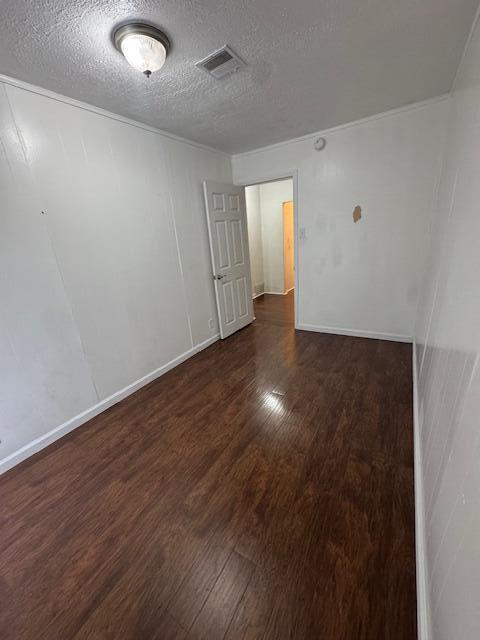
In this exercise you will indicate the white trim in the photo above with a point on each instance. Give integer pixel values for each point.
(358, 333)
(141, 125)
(423, 619)
(340, 127)
(43, 441)
(464, 52)
(257, 295)
(269, 177)
(103, 112)
(279, 293)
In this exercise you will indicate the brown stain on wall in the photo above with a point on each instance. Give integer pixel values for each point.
(357, 213)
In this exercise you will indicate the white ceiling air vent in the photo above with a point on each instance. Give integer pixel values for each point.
(222, 62)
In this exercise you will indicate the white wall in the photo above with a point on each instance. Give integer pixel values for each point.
(113, 281)
(265, 234)
(254, 220)
(272, 196)
(448, 346)
(361, 278)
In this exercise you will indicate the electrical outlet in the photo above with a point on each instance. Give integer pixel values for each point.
(211, 323)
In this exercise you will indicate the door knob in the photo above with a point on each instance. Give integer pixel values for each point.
(218, 277)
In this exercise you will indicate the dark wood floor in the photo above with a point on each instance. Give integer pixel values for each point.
(273, 309)
(263, 489)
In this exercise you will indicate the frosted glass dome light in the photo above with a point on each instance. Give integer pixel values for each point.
(144, 47)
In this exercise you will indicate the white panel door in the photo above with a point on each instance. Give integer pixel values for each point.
(227, 230)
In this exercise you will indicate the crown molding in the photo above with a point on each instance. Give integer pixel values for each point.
(378, 116)
(141, 125)
(20, 84)
(465, 49)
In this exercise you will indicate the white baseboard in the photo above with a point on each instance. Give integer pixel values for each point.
(257, 295)
(358, 333)
(43, 441)
(274, 293)
(423, 616)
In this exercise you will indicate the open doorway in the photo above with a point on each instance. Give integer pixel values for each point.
(252, 232)
(271, 235)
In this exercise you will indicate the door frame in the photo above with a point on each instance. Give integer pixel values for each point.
(275, 177)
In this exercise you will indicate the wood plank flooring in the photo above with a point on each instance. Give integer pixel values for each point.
(275, 309)
(262, 489)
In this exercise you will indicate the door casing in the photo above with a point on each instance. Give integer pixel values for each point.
(273, 177)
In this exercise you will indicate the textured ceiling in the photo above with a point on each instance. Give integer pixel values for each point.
(313, 64)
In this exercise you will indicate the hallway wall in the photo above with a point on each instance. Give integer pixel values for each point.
(254, 221)
(265, 234)
(272, 196)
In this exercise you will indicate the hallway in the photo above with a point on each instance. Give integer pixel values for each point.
(275, 309)
(262, 489)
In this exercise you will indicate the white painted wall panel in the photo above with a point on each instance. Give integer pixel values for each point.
(361, 277)
(448, 347)
(44, 373)
(187, 168)
(114, 281)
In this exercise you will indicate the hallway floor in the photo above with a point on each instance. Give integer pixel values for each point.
(273, 309)
(262, 489)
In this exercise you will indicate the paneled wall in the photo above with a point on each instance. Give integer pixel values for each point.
(448, 346)
(105, 270)
(361, 278)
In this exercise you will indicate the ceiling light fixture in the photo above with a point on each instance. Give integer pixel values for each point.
(144, 47)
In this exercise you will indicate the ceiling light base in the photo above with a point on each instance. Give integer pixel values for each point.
(137, 35)
(140, 28)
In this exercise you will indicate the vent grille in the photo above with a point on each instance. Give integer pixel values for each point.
(222, 62)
